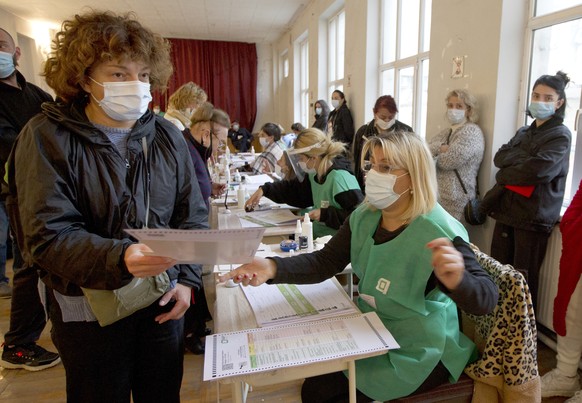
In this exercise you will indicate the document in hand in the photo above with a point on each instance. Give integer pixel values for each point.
(264, 349)
(201, 246)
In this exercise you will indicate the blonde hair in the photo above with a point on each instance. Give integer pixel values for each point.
(328, 149)
(188, 94)
(408, 151)
(469, 100)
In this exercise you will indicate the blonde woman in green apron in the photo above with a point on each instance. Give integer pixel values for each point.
(415, 268)
(325, 185)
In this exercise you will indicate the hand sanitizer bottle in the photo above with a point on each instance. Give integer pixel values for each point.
(237, 177)
(298, 231)
(253, 151)
(307, 230)
(240, 196)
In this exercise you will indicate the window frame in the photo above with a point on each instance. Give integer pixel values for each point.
(334, 81)
(419, 62)
(537, 22)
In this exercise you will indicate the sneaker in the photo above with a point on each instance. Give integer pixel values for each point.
(28, 356)
(577, 398)
(5, 290)
(556, 384)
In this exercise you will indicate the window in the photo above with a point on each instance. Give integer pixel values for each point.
(303, 79)
(555, 32)
(404, 49)
(336, 53)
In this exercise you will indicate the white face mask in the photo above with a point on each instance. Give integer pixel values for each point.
(380, 189)
(385, 125)
(305, 168)
(318, 111)
(264, 142)
(456, 116)
(335, 103)
(124, 101)
(235, 127)
(6, 64)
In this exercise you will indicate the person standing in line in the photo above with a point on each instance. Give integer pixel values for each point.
(564, 380)
(385, 111)
(458, 152)
(183, 103)
(19, 101)
(91, 166)
(321, 110)
(340, 124)
(527, 198)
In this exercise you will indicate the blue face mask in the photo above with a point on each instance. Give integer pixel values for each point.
(6, 64)
(542, 110)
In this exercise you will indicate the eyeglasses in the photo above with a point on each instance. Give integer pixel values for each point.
(380, 168)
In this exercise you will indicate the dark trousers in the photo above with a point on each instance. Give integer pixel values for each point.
(27, 313)
(135, 355)
(334, 387)
(524, 250)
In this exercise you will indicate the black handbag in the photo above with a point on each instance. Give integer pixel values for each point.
(472, 213)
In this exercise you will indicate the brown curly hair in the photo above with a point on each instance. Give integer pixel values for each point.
(99, 36)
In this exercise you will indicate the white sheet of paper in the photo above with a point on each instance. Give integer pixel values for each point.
(202, 246)
(274, 304)
(264, 349)
(269, 218)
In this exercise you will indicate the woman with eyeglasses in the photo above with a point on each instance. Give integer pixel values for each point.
(324, 183)
(399, 236)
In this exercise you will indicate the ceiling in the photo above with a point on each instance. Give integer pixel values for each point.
(255, 21)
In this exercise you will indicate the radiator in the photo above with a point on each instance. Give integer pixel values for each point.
(548, 281)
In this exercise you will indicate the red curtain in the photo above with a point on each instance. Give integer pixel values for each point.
(227, 71)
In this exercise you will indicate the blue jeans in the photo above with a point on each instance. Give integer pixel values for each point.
(133, 356)
(3, 239)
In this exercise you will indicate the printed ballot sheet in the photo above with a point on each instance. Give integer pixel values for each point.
(264, 349)
(202, 246)
(284, 303)
(268, 218)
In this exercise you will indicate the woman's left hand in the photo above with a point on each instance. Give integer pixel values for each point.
(315, 215)
(181, 294)
(448, 262)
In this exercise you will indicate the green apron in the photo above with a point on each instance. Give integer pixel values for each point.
(393, 278)
(337, 181)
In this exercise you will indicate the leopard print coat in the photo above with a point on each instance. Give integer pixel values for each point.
(508, 364)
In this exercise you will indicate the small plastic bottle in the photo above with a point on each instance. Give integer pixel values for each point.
(237, 177)
(307, 230)
(298, 231)
(240, 196)
(253, 151)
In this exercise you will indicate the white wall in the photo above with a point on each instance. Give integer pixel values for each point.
(489, 35)
(34, 46)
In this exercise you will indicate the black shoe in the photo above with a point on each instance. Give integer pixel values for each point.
(194, 345)
(28, 356)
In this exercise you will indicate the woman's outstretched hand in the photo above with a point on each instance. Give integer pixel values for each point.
(257, 272)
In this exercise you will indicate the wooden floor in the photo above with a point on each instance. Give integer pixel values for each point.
(48, 386)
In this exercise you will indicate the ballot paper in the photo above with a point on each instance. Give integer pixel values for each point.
(275, 304)
(202, 246)
(265, 349)
(271, 217)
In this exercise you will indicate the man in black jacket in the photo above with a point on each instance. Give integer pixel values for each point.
(19, 101)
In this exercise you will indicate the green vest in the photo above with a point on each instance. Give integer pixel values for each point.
(337, 181)
(393, 278)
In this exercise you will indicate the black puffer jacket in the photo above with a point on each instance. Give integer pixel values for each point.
(71, 194)
(537, 156)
